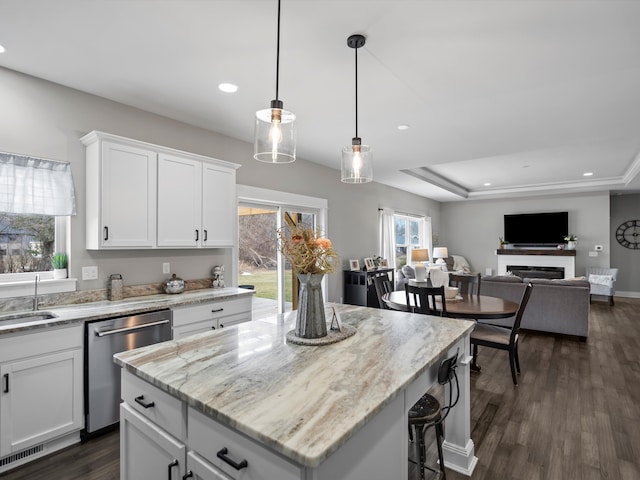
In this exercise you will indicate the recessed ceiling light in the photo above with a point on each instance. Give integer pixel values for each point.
(587, 174)
(403, 127)
(1, 49)
(487, 184)
(228, 88)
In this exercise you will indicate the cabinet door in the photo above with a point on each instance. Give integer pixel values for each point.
(199, 469)
(146, 451)
(219, 217)
(128, 200)
(40, 399)
(179, 201)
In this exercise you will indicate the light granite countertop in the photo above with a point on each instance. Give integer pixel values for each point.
(301, 401)
(69, 314)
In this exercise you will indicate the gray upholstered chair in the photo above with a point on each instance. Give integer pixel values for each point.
(603, 282)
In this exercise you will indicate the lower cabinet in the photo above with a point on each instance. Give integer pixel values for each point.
(41, 396)
(203, 449)
(203, 317)
(147, 451)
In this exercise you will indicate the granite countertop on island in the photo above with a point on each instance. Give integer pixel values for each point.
(69, 314)
(302, 402)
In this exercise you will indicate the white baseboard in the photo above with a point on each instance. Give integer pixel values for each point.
(628, 294)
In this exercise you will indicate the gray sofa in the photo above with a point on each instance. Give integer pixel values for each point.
(556, 306)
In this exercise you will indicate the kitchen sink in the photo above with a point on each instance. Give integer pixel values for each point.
(25, 317)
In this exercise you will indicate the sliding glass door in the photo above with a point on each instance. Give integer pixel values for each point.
(260, 264)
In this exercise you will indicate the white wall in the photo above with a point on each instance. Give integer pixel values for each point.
(43, 119)
(472, 228)
(624, 208)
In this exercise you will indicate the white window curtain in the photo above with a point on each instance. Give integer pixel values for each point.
(31, 185)
(387, 239)
(427, 236)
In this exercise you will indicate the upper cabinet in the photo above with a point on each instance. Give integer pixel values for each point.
(141, 195)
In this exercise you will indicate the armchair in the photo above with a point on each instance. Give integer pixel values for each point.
(602, 282)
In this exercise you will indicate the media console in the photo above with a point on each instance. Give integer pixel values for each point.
(537, 263)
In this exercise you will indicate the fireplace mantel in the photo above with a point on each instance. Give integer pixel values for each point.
(537, 258)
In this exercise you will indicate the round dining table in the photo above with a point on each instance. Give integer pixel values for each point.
(479, 307)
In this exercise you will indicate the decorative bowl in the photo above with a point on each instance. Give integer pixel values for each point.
(450, 292)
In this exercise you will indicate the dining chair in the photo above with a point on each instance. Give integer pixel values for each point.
(424, 300)
(427, 413)
(502, 338)
(467, 284)
(382, 285)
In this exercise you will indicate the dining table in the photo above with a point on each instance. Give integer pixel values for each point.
(470, 306)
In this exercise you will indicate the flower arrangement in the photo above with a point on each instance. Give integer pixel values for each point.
(307, 250)
(570, 238)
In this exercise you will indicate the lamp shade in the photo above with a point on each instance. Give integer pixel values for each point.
(357, 164)
(419, 255)
(275, 139)
(440, 252)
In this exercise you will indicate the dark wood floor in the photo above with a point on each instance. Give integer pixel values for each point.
(575, 415)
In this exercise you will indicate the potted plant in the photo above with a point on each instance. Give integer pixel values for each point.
(59, 262)
(572, 241)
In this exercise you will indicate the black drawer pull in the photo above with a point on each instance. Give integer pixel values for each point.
(197, 234)
(206, 235)
(106, 233)
(189, 474)
(222, 454)
(140, 401)
(6, 383)
(170, 466)
(217, 310)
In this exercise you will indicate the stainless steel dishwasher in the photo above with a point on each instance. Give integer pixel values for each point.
(103, 339)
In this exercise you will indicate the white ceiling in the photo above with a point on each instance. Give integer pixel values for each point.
(526, 95)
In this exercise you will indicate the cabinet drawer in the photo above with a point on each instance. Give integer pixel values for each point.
(210, 310)
(162, 409)
(208, 437)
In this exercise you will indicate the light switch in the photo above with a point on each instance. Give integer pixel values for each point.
(89, 273)
(593, 254)
(166, 268)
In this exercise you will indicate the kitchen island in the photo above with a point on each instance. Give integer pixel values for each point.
(290, 411)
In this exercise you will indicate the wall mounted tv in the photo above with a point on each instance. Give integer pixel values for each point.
(536, 229)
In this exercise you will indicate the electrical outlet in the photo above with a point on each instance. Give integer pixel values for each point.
(593, 254)
(89, 273)
(599, 248)
(166, 268)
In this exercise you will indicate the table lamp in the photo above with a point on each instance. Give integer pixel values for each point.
(418, 257)
(440, 253)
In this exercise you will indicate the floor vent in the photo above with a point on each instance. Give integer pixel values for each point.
(20, 455)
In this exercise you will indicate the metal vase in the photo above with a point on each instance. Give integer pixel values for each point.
(310, 320)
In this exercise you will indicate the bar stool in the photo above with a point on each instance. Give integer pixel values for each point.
(427, 413)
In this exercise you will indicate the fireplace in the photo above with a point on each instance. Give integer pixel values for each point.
(533, 271)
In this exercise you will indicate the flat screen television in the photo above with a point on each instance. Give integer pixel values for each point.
(536, 229)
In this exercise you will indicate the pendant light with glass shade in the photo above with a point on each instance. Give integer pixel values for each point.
(357, 165)
(274, 136)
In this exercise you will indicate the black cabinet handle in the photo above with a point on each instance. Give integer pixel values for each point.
(216, 310)
(206, 235)
(197, 234)
(140, 401)
(170, 466)
(189, 474)
(106, 233)
(213, 327)
(222, 454)
(6, 383)
(221, 325)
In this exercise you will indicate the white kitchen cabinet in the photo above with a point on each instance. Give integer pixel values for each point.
(147, 451)
(199, 469)
(203, 317)
(41, 397)
(141, 195)
(196, 203)
(121, 194)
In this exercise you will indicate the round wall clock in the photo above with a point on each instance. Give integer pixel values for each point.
(628, 234)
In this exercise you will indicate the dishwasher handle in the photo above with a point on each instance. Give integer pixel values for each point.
(104, 333)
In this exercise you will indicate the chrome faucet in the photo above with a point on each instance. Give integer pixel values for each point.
(35, 293)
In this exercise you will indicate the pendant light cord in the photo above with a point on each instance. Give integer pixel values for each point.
(356, 50)
(278, 53)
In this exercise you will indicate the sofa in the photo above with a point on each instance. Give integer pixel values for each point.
(556, 306)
